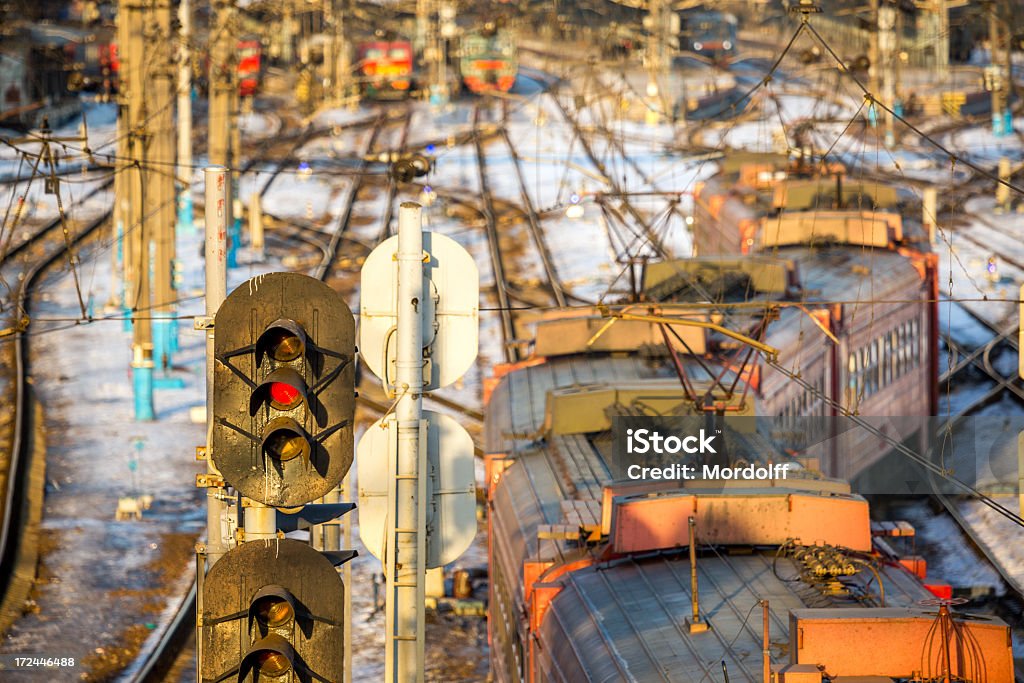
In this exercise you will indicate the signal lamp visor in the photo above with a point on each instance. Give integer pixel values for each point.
(272, 607)
(274, 612)
(284, 440)
(282, 341)
(271, 656)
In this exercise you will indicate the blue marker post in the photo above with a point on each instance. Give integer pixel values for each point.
(126, 313)
(177, 280)
(235, 234)
(185, 223)
(142, 384)
(1002, 123)
(164, 328)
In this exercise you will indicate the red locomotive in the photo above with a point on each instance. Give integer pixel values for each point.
(250, 63)
(386, 68)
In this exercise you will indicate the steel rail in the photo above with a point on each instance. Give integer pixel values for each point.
(389, 207)
(510, 353)
(345, 217)
(554, 282)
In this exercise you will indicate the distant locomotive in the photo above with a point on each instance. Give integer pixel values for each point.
(40, 73)
(250, 66)
(386, 69)
(488, 60)
(709, 33)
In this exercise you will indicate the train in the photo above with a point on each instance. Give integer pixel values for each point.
(709, 33)
(41, 70)
(488, 60)
(250, 66)
(598, 577)
(595, 572)
(841, 239)
(386, 68)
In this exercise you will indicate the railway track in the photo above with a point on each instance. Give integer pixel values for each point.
(554, 283)
(508, 328)
(24, 262)
(389, 207)
(646, 231)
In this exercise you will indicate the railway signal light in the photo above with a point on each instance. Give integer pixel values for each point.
(409, 167)
(273, 611)
(284, 394)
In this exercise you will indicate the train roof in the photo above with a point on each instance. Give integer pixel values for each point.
(616, 610)
(853, 273)
(796, 272)
(626, 617)
(518, 406)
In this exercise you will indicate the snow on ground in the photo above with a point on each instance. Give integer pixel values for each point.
(295, 196)
(256, 125)
(992, 530)
(963, 257)
(979, 144)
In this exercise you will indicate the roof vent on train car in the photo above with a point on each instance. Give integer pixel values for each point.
(863, 228)
(669, 279)
(576, 331)
(758, 515)
(890, 642)
(587, 409)
(818, 193)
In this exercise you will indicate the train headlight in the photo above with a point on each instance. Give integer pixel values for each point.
(727, 44)
(698, 46)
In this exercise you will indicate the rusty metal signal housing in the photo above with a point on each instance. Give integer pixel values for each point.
(273, 611)
(284, 395)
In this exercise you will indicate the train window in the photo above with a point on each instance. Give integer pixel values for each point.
(374, 53)
(851, 378)
(863, 381)
(873, 379)
(885, 359)
(900, 351)
(398, 53)
(915, 343)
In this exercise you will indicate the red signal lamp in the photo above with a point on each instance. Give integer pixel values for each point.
(283, 389)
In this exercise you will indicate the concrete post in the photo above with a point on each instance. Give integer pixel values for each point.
(1003, 191)
(929, 211)
(256, 226)
(185, 222)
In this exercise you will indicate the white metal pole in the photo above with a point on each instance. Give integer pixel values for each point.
(404, 661)
(930, 203)
(260, 521)
(346, 538)
(217, 193)
(256, 226)
(1003, 191)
